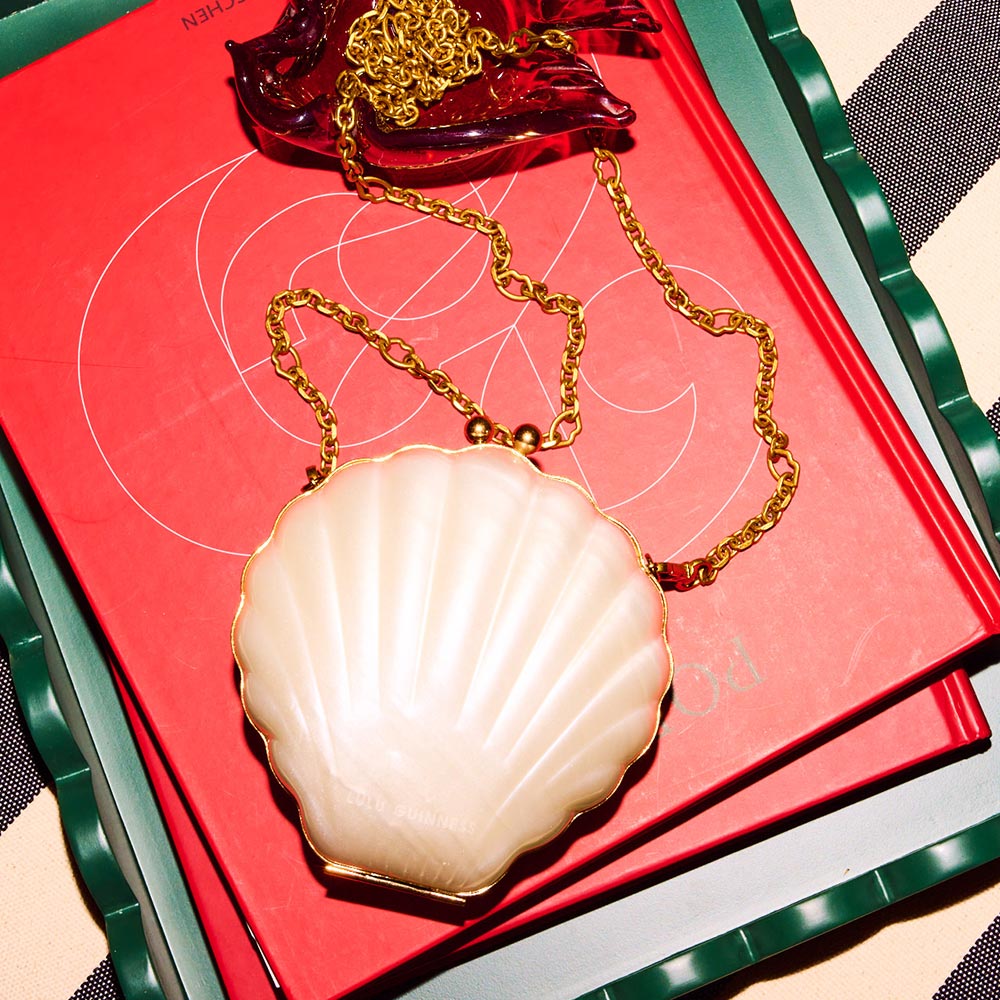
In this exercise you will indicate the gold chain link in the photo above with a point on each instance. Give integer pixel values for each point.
(718, 322)
(567, 423)
(413, 51)
(393, 350)
(396, 82)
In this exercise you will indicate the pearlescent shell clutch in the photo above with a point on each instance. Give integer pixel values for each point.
(450, 655)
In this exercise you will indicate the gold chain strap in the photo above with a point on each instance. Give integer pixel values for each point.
(719, 323)
(397, 81)
(393, 350)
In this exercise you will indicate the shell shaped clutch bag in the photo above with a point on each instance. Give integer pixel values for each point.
(450, 655)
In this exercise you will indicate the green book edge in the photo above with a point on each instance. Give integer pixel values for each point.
(106, 805)
(30, 30)
(910, 314)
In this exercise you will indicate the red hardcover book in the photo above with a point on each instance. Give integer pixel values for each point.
(927, 724)
(137, 394)
(837, 767)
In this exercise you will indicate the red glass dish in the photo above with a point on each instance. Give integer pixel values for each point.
(286, 80)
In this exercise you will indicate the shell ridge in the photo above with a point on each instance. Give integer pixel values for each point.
(549, 551)
(337, 624)
(648, 652)
(485, 545)
(609, 734)
(501, 720)
(567, 735)
(355, 488)
(374, 612)
(300, 633)
(583, 662)
(431, 590)
(485, 645)
(253, 684)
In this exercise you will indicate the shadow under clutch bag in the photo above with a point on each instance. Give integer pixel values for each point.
(450, 654)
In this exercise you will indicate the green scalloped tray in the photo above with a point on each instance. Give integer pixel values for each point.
(62, 680)
(108, 808)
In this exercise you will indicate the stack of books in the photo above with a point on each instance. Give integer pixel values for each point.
(140, 405)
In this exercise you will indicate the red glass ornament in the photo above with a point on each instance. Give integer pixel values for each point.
(286, 80)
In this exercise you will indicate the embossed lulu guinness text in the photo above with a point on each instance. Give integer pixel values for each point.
(422, 817)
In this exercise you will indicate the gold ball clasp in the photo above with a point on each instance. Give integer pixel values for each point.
(527, 439)
(479, 430)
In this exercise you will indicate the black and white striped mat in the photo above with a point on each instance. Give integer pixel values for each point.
(978, 974)
(927, 120)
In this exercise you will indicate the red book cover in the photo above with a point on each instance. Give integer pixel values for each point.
(926, 724)
(137, 394)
